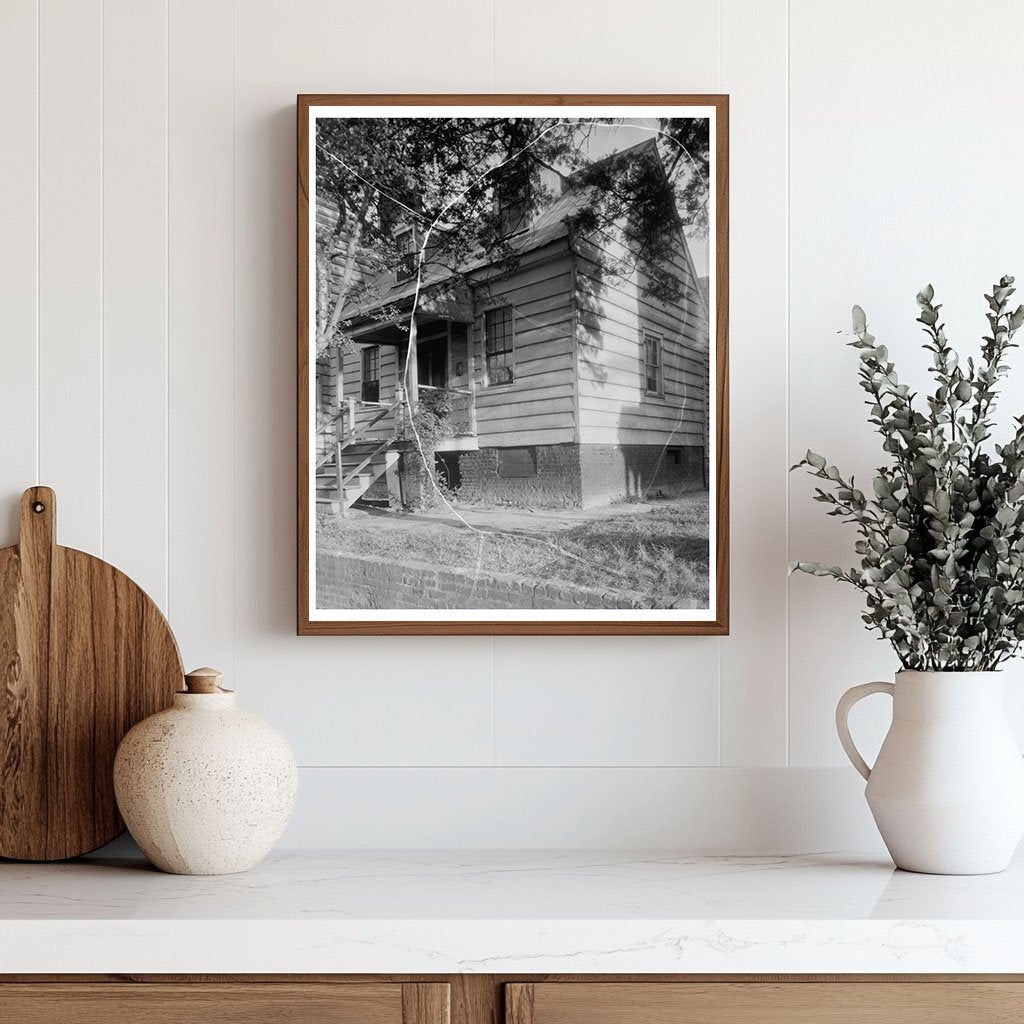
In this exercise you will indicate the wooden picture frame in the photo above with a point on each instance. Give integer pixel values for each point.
(465, 335)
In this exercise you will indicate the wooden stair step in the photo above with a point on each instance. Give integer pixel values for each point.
(368, 457)
(362, 448)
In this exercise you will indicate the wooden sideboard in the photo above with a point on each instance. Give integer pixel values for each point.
(183, 1001)
(765, 1002)
(497, 999)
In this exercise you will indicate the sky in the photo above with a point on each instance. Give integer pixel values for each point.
(611, 138)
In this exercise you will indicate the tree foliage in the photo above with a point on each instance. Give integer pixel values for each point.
(941, 538)
(453, 180)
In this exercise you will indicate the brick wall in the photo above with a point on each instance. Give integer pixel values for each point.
(417, 491)
(556, 484)
(613, 472)
(360, 582)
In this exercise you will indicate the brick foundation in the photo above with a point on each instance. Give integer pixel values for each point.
(617, 472)
(357, 582)
(555, 485)
(583, 475)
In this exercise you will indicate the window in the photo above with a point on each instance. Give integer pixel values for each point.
(405, 241)
(654, 381)
(371, 374)
(511, 216)
(499, 343)
(517, 462)
(513, 188)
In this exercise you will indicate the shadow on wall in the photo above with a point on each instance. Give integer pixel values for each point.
(264, 421)
(659, 451)
(666, 470)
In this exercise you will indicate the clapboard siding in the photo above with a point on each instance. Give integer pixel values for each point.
(612, 315)
(615, 349)
(546, 273)
(352, 369)
(539, 406)
(530, 335)
(513, 424)
(682, 426)
(620, 368)
(365, 268)
(661, 412)
(623, 387)
(531, 436)
(579, 366)
(604, 249)
(624, 304)
(538, 373)
(605, 433)
(557, 387)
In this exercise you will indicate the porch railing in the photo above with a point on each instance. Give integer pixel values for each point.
(345, 428)
(463, 415)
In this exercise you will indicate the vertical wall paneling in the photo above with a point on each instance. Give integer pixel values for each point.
(425, 700)
(904, 172)
(18, 399)
(754, 656)
(200, 329)
(655, 46)
(613, 701)
(647, 701)
(147, 278)
(727, 811)
(135, 290)
(70, 266)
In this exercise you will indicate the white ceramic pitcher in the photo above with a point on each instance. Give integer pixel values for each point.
(947, 789)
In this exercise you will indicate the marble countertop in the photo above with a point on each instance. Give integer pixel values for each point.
(510, 912)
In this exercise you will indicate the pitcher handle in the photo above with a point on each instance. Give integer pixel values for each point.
(846, 702)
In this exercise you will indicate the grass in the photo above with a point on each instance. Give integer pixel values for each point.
(660, 555)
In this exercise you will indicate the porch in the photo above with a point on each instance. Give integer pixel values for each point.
(369, 395)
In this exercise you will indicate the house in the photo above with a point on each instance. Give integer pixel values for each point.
(568, 385)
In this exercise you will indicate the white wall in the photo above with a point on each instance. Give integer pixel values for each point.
(147, 282)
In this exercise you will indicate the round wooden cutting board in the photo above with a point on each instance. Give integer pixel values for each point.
(84, 655)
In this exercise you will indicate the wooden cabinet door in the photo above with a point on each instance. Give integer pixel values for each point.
(228, 1003)
(862, 1002)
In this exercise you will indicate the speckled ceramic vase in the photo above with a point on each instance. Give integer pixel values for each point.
(204, 788)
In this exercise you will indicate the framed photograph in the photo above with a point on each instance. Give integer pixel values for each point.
(512, 364)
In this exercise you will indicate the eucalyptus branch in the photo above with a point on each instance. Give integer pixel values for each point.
(941, 539)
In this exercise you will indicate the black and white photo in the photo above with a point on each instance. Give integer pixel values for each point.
(512, 393)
